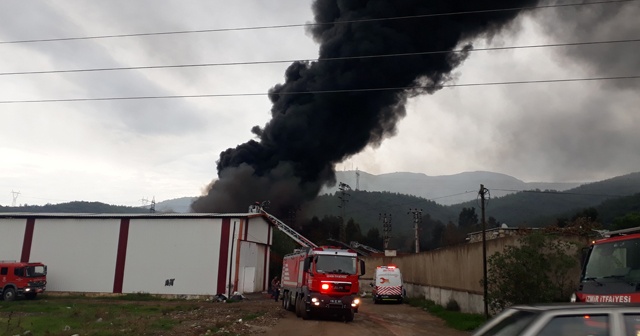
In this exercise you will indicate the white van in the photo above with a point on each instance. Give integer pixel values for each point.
(387, 285)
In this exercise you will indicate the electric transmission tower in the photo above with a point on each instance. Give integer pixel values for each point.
(152, 208)
(15, 195)
(343, 188)
(386, 229)
(417, 219)
(357, 179)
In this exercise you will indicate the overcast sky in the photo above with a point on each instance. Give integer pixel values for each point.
(119, 152)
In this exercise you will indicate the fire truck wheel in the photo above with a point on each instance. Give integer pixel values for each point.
(297, 306)
(348, 315)
(303, 311)
(9, 294)
(284, 300)
(289, 306)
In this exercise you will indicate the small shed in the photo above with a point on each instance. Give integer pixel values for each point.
(172, 254)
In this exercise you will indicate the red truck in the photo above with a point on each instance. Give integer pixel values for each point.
(611, 269)
(321, 280)
(22, 279)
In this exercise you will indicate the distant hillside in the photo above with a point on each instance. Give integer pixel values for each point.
(444, 189)
(536, 208)
(365, 208)
(180, 205)
(76, 207)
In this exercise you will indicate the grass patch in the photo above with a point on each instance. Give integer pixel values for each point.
(453, 319)
(86, 316)
(252, 316)
(136, 297)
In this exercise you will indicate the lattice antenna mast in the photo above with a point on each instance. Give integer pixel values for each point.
(386, 229)
(417, 219)
(343, 188)
(357, 179)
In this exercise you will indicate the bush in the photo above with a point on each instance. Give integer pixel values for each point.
(453, 305)
(537, 271)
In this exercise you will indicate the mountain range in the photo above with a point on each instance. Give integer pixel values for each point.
(442, 189)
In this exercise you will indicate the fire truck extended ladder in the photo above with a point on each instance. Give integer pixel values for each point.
(355, 244)
(300, 239)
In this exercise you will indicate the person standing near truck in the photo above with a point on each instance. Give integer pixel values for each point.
(275, 288)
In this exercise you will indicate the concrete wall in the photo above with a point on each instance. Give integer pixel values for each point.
(456, 268)
(450, 273)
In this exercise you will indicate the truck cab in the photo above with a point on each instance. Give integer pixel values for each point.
(22, 279)
(611, 269)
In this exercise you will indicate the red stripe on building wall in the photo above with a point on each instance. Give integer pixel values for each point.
(28, 238)
(224, 255)
(118, 279)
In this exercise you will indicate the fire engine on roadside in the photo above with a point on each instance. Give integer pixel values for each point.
(611, 269)
(22, 279)
(322, 280)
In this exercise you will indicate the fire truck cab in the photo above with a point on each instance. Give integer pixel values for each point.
(22, 279)
(322, 280)
(611, 269)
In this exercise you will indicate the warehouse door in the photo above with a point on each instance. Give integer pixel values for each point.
(249, 280)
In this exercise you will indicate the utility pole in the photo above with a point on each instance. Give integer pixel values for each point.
(484, 191)
(417, 218)
(386, 229)
(15, 195)
(343, 187)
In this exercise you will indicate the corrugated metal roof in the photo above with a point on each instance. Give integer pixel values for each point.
(126, 215)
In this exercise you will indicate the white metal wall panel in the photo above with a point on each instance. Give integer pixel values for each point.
(258, 230)
(11, 238)
(260, 267)
(80, 253)
(186, 250)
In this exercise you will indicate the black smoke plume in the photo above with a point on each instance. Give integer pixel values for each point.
(310, 133)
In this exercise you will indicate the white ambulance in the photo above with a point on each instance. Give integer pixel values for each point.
(387, 285)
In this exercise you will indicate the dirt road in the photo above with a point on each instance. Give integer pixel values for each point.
(372, 320)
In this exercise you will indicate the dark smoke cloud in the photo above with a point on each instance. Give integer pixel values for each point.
(297, 150)
(601, 22)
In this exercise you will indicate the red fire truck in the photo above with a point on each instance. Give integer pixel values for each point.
(611, 269)
(321, 280)
(22, 279)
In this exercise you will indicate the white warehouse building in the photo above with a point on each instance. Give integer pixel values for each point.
(171, 254)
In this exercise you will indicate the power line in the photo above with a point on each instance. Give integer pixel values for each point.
(221, 95)
(314, 24)
(552, 45)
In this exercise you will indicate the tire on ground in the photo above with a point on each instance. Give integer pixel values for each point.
(9, 294)
(348, 315)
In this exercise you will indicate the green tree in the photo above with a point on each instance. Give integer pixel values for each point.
(536, 271)
(373, 239)
(353, 231)
(467, 217)
(627, 221)
(590, 213)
